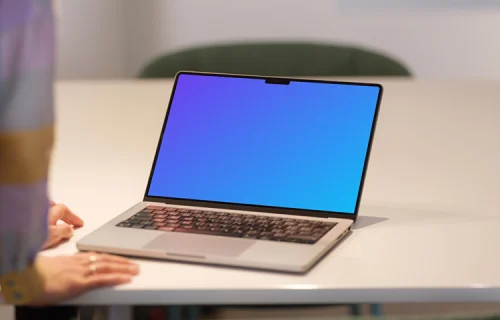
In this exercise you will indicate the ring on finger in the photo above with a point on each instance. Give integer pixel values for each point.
(92, 269)
(92, 258)
(92, 265)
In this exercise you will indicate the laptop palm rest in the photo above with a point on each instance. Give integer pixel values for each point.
(198, 246)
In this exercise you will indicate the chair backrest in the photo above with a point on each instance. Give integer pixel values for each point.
(279, 59)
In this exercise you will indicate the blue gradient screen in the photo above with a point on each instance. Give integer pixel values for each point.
(243, 141)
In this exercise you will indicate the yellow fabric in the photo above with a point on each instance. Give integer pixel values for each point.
(25, 156)
(21, 287)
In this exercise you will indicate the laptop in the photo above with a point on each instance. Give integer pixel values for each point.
(251, 171)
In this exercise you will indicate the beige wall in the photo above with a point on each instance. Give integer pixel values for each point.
(114, 38)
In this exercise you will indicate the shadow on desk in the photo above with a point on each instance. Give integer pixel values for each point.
(367, 221)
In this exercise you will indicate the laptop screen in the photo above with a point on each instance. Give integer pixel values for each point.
(242, 140)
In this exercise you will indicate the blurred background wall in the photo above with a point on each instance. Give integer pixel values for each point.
(435, 38)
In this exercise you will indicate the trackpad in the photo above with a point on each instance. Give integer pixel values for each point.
(199, 245)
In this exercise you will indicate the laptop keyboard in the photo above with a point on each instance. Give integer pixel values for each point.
(228, 224)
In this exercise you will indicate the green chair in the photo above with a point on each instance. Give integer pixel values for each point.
(277, 59)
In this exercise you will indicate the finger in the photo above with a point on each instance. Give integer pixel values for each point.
(113, 267)
(105, 280)
(70, 217)
(56, 213)
(52, 239)
(103, 257)
(58, 233)
(63, 231)
(62, 212)
(114, 259)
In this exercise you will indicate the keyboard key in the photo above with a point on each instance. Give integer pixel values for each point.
(281, 235)
(124, 224)
(166, 229)
(323, 231)
(205, 232)
(142, 218)
(143, 214)
(151, 227)
(155, 208)
(307, 239)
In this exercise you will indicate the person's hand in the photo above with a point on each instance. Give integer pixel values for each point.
(67, 277)
(59, 232)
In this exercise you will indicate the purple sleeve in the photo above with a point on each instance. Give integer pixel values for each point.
(26, 128)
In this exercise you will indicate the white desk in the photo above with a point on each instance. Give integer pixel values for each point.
(430, 225)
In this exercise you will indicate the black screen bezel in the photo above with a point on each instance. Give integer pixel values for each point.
(261, 208)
